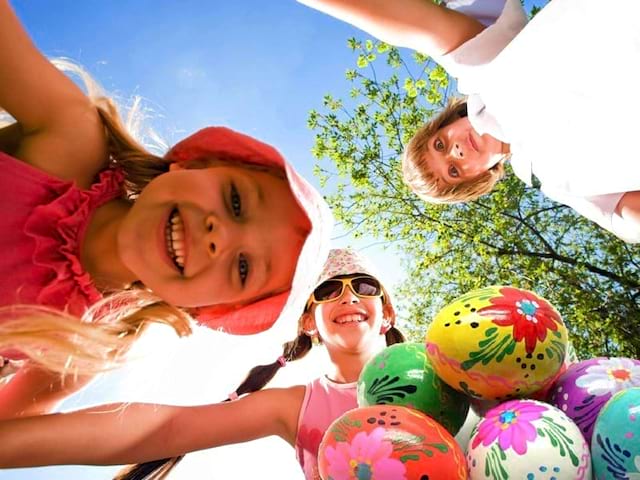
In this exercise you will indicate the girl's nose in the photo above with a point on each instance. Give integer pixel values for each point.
(348, 296)
(456, 151)
(217, 235)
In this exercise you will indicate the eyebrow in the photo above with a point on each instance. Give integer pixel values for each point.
(258, 190)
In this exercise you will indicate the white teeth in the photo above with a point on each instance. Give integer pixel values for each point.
(175, 239)
(350, 318)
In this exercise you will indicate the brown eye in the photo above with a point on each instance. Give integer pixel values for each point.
(243, 269)
(236, 203)
(453, 172)
(438, 145)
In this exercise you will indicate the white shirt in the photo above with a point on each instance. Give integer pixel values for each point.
(541, 90)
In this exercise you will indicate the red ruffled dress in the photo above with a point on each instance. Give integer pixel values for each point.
(43, 223)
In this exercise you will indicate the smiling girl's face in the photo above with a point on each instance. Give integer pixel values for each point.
(456, 153)
(351, 322)
(216, 235)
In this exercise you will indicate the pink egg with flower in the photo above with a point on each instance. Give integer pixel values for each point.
(527, 440)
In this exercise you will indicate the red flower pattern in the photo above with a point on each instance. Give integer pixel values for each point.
(529, 315)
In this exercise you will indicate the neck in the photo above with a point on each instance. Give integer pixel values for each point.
(99, 250)
(346, 366)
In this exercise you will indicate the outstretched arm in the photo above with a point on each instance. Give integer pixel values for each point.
(61, 132)
(134, 433)
(34, 391)
(418, 24)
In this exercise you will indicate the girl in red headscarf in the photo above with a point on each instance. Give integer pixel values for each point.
(349, 311)
(214, 229)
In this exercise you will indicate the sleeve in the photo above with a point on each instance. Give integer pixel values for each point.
(504, 20)
(601, 210)
(486, 12)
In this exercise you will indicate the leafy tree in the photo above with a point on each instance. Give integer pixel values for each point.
(514, 236)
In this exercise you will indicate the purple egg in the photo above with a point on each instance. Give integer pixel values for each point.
(586, 386)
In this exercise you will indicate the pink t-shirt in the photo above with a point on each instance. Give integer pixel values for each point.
(43, 223)
(324, 401)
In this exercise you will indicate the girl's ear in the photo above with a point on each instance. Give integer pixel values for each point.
(389, 315)
(308, 323)
(175, 166)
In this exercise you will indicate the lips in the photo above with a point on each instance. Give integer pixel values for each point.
(175, 239)
(473, 143)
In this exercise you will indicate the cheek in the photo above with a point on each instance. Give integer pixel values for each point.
(285, 245)
(286, 213)
(323, 312)
(198, 293)
(374, 309)
(322, 318)
(494, 145)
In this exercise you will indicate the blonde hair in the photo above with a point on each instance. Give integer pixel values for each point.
(61, 342)
(418, 176)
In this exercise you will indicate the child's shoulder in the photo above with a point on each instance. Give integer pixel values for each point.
(15, 173)
(18, 175)
(75, 148)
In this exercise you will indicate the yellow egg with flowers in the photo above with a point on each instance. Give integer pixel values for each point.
(497, 343)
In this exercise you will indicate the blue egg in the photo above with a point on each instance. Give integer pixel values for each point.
(615, 446)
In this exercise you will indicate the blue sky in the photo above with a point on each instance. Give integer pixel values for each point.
(256, 66)
(240, 64)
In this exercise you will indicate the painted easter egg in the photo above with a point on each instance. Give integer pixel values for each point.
(497, 343)
(528, 440)
(402, 375)
(385, 442)
(586, 386)
(615, 446)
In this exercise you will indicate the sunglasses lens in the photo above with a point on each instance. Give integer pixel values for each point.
(366, 286)
(328, 290)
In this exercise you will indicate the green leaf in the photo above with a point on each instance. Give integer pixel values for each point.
(383, 47)
(362, 61)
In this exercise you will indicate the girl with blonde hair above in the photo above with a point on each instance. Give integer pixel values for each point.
(349, 312)
(536, 95)
(221, 229)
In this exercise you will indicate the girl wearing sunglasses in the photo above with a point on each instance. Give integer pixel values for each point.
(349, 312)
